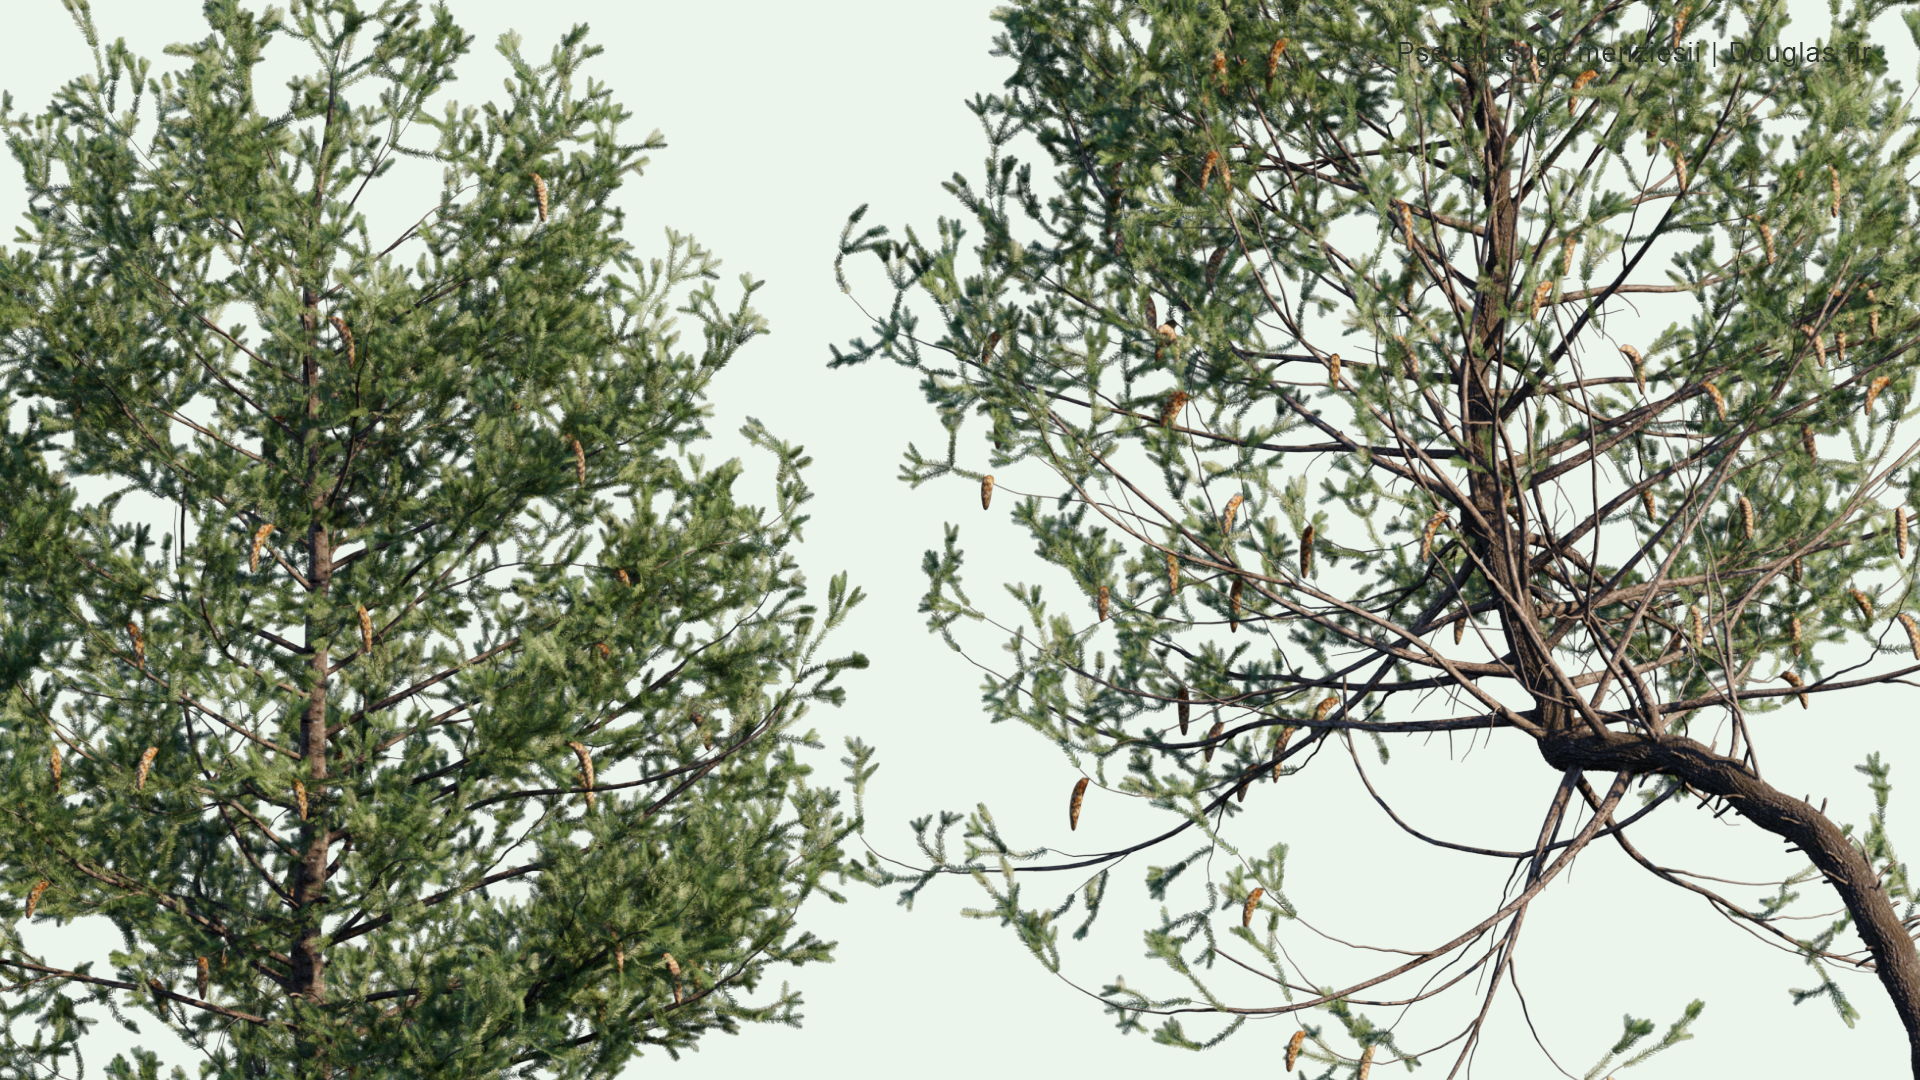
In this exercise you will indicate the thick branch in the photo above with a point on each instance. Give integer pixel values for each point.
(1895, 960)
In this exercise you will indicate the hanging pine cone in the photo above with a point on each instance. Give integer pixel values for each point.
(1103, 603)
(540, 193)
(624, 580)
(139, 646)
(674, 968)
(986, 354)
(1900, 531)
(1426, 535)
(586, 769)
(1293, 1049)
(1186, 710)
(1366, 1063)
(1913, 633)
(300, 798)
(53, 768)
(1459, 627)
(1333, 371)
(1214, 263)
(1273, 59)
(1807, 443)
(1719, 402)
(200, 977)
(1766, 237)
(1873, 391)
(1746, 516)
(1173, 574)
(346, 335)
(1212, 734)
(986, 491)
(1865, 603)
(1794, 681)
(1280, 749)
(1306, 551)
(1206, 170)
(259, 538)
(1073, 808)
(1172, 410)
(146, 763)
(34, 894)
(1233, 602)
(579, 462)
(1639, 373)
(366, 629)
(1226, 518)
(1579, 83)
(1253, 902)
(1540, 294)
(1320, 712)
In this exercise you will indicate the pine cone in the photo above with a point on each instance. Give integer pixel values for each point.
(259, 538)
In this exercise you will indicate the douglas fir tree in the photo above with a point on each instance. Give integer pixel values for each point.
(1323, 349)
(377, 771)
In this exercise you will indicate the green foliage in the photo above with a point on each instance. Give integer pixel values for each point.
(1878, 851)
(1634, 1030)
(1876, 845)
(323, 736)
(1642, 530)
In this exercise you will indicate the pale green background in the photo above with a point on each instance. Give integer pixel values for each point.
(780, 118)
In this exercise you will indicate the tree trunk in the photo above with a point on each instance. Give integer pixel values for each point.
(1502, 548)
(310, 879)
(1794, 820)
(1501, 545)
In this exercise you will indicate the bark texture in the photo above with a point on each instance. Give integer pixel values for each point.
(1793, 820)
(1500, 542)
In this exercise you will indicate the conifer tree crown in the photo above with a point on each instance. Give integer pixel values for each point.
(447, 725)
(1316, 376)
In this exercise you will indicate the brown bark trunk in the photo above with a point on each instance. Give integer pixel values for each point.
(310, 881)
(310, 877)
(1501, 546)
(308, 980)
(1894, 956)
